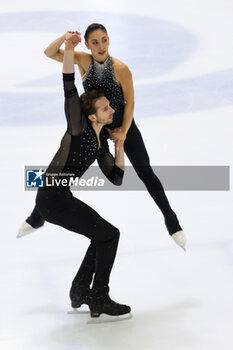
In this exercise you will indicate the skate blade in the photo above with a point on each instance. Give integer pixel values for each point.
(184, 249)
(20, 235)
(103, 318)
(78, 312)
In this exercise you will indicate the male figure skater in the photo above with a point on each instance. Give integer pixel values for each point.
(83, 143)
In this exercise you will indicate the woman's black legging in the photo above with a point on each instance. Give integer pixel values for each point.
(138, 156)
(136, 152)
(61, 208)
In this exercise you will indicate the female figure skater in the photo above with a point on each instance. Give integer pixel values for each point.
(100, 70)
(83, 142)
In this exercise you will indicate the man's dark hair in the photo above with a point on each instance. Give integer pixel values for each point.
(88, 99)
(92, 27)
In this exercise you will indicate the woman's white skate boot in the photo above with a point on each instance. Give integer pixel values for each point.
(180, 238)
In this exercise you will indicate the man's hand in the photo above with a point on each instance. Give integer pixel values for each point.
(117, 136)
(72, 40)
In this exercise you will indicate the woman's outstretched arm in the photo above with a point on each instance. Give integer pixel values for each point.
(53, 50)
(126, 81)
(124, 76)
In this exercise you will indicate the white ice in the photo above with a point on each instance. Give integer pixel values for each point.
(179, 300)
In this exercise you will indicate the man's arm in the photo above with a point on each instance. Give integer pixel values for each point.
(113, 168)
(75, 118)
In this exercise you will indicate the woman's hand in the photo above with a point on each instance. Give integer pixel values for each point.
(118, 135)
(72, 34)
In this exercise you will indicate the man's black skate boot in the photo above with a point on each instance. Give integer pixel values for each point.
(101, 303)
(79, 295)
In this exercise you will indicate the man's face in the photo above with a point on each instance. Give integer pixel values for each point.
(104, 112)
(98, 43)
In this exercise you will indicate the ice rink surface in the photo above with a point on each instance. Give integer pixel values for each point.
(181, 54)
